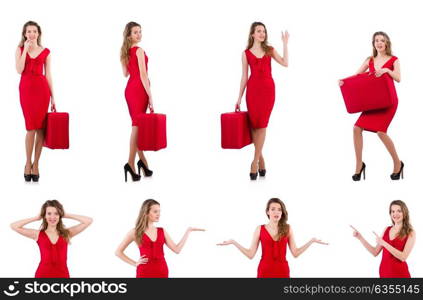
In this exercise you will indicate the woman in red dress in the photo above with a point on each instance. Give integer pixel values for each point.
(396, 242)
(150, 241)
(260, 94)
(36, 92)
(137, 93)
(382, 61)
(274, 238)
(52, 238)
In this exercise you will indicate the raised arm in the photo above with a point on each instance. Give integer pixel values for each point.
(21, 57)
(283, 61)
(50, 81)
(178, 247)
(244, 79)
(295, 251)
(373, 250)
(84, 222)
(250, 252)
(29, 233)
(144, 76)
(401, 255)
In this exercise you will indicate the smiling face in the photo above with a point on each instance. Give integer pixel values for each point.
(274, 212)
(380, 43)
(31, 33)
(259, 34)
(154, 213)
(135, 35)
(396, 213)
(52, 216)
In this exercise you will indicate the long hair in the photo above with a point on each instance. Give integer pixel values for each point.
(23, 38)
(264, 45)
(61, 229)
(406, 228)
(142, 220)
(283, 227)
(388, 47)
(126, 44)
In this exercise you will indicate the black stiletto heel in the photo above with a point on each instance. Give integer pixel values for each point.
(396, 176)
(357, 177)
(262, 172)
(253, 176)
(27, 177)
(147, 172)
(127, 168)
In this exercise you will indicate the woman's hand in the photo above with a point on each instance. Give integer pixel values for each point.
(150, 104)
(225, 243)
(190, 229)
(379, 240)
(142, 261)
(356, 233)
(52, 105)
(380, 72)
(340, 82)
(317, 241)
(238, 105)
(28, 43)
(285, 37)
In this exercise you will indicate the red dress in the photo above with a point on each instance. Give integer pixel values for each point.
(53, 257)
(156, 266)
(135, 94)
(379, 120)
(273, 263)
(390, 266)
(34, 91)
(260, 90)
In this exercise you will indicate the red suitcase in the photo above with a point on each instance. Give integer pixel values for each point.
(57, 131)
(152, 132)
(364, 92)
(235, 130)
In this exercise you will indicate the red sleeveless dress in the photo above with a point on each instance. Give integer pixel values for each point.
(53, 257)
(135, 94)
(156, 266)
(390, 266)
(273, 263)
(379, 120)
(260, 93)
(34, 91)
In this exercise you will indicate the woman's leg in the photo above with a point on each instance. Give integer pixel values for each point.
(358, 147)
(133, 148)
(39, 141)
(259, 135)
(389, 144)
(142, 157)
(29, 147)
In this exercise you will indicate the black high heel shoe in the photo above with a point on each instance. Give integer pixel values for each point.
(262, 172)
(127, 168)
(147, 172)
(253, 176)
(357, 177)
(35, 178)
(27, 177)
(396, 176)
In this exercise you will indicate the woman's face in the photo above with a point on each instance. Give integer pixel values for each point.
(154, 214)
(31, 33)
(396, 213)
(259, 33)
(380, 43)
(52, 216)
(275, 212)
(136, 34)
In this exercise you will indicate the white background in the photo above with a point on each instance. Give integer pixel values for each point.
(195, 68)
